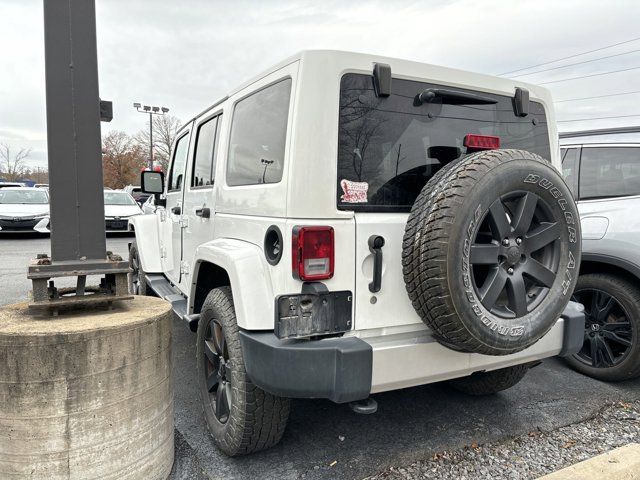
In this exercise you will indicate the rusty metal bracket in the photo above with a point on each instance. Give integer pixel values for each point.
(45, 295)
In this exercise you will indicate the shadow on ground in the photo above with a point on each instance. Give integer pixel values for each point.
(410, 424)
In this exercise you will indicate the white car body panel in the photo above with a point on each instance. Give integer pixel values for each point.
(122, 211)
(148, 241)
(250, 280)
(23, 209)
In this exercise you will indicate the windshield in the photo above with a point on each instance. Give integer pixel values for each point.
(118, 198)
(26, 196)
(389, 147)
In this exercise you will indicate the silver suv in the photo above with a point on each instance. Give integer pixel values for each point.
(602, 168)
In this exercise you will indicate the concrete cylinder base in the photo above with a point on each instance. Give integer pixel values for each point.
(87, 394)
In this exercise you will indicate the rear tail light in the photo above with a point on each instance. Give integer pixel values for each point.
(481, 142)
(312, 253)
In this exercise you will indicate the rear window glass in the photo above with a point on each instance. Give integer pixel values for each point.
(258, 136)
(389, 147)
(570, 157)
(609, 172)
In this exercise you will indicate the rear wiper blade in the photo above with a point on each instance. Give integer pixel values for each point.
(452, 97)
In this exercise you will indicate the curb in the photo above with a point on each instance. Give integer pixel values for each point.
(620, 464)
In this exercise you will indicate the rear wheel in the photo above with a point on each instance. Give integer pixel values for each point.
(488, 383)
(241, 417)
(611, 349)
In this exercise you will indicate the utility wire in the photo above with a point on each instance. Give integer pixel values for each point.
(570, 56)
(588, 76)
(597, 96)
(595, 118)
(574, 64)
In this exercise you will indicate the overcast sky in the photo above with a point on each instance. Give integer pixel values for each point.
(185, 54)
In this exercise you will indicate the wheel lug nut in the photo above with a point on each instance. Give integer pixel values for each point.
(510, 271)
(518, 240)
(505, 242)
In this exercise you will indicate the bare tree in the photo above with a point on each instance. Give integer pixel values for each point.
(12, 164)
(122, 160)
(165, 130)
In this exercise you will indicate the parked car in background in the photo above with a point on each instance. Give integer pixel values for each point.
(602, 169)
(24, 209)
(136, 192)
(119, 207)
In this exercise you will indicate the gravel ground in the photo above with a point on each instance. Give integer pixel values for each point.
(534, 455)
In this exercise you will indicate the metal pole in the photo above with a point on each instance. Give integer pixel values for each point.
(150, 141)
(74, 111)
(73, 131)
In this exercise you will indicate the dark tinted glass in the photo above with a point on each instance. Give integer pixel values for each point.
(570, 162)
(390, 147)
(204, 154)
(176, 176)
(609, 172)
(258, 135)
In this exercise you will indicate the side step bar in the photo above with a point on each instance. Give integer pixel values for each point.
(163, 289)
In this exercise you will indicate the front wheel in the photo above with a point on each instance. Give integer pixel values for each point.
(137, 278)
(241, 417)
(611, 349)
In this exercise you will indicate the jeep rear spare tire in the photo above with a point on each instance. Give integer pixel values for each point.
(491, 260)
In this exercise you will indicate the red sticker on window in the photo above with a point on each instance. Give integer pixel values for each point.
(354, 192)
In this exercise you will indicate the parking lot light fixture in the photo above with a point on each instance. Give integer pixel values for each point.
(151, 110)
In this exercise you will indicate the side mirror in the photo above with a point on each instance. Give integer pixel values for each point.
(152, 182)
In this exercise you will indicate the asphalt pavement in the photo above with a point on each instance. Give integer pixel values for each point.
(326, 440)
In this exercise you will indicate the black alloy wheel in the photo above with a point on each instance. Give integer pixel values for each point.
(515, 253)
(218, 371)
(608, 334)
(134, 275)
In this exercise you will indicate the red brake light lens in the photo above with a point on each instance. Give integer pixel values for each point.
(481, 142)
(312, 253)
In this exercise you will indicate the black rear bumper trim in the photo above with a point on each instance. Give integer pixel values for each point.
(573, 316)
(338, 369)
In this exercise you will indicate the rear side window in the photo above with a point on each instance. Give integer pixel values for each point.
(205, 153)
(609, 172)
(258, 136)
(570, 162)
(389, 147)
(176, 175)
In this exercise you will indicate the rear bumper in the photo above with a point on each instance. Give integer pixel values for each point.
(350, 368)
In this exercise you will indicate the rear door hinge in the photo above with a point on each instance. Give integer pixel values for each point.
(184, 268)
(163, 251)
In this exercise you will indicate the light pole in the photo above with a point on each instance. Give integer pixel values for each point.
(151, 111)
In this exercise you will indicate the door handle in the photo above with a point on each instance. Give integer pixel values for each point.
(177, 210)
(204, 212)
(376, 242)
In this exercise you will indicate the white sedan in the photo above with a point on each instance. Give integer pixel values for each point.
(119, 206)
(23, 210)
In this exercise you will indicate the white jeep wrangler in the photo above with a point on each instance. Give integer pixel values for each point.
(346, 224)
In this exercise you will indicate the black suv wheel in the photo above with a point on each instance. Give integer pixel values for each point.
(241, 417)
(611, 349)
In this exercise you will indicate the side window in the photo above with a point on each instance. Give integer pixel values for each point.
(570, 162)
(205, 153)
(176, 174)
(609, 172)
(258, 136)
